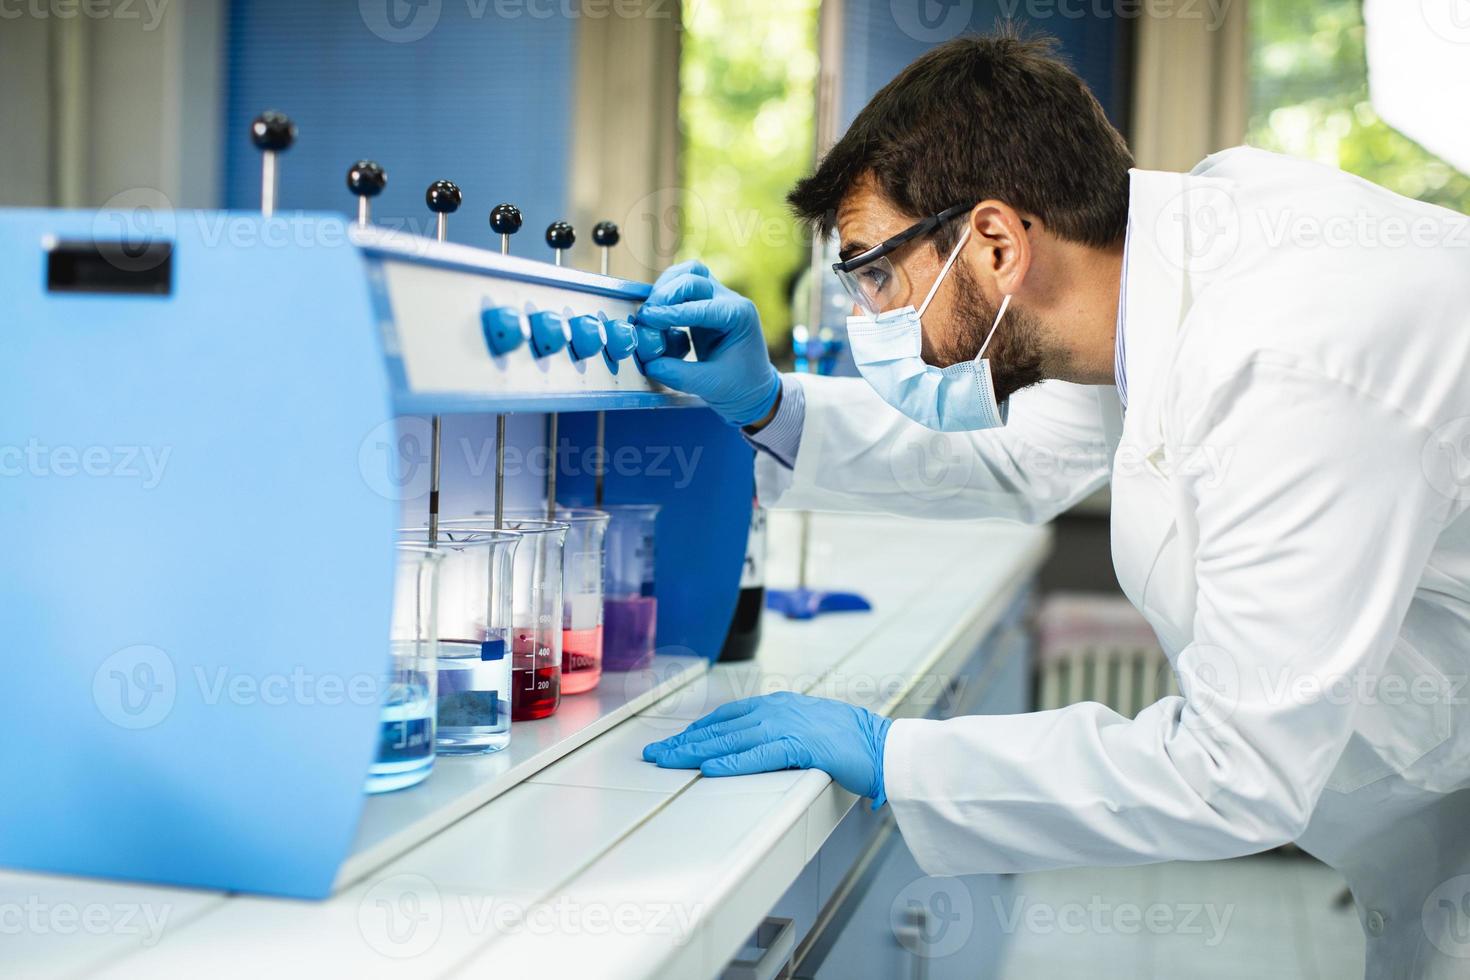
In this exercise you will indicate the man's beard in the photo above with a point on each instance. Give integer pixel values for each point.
(1014, 353)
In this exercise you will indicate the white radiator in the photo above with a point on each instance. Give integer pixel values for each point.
(1098, 648)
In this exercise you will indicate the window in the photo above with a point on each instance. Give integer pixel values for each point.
(747, 97)
(1309, 98)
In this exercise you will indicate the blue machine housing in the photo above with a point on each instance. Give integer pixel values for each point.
(198, 568)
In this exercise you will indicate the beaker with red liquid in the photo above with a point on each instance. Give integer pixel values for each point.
(582, 566)
(581, 599)
(536, 631)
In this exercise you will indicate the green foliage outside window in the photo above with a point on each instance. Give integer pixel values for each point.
(1309, 98)
(747, 95)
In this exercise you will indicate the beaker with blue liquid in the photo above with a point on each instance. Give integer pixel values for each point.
(474, 649)
(405, 753)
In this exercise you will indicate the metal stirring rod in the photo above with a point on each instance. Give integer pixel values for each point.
(499, 472)
(598, 463)
(560, 237)
(443, 198)
(505, 220)
(434, 481)
(272, 133)
(551, 469)
(605, 235)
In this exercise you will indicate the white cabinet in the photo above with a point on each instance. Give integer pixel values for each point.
(863, 908)
(902, 924)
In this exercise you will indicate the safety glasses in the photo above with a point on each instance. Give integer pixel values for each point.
(869, 277)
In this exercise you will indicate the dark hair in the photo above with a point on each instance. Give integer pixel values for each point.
(983, 116)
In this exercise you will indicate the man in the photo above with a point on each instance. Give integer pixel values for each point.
(1267, 358)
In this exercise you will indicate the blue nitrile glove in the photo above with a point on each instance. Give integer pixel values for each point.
(783, 731)
(733, 374)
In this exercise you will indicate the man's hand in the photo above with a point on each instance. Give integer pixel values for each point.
(733, 374)
(783, 731)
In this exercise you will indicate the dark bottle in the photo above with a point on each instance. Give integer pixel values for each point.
(745, 628)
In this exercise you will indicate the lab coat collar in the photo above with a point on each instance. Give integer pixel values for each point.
(1178, 232)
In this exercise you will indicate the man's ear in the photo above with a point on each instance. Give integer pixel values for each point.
(1004, 250)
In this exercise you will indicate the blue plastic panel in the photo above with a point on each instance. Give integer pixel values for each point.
(701, 471)
(196, 566)
(479, 93)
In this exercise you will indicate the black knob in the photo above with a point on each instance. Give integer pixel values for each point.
(559, 235)
(443, 197)
(272, 131)
(605, 233)
(505, 219)
(366, 179)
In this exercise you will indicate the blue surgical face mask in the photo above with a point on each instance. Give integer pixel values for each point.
(887, 349)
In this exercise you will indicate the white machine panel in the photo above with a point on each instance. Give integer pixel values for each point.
(431, 303)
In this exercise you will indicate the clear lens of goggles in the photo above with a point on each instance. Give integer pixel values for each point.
(872, 286)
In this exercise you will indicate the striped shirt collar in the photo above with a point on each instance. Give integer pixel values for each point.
(1120, 346)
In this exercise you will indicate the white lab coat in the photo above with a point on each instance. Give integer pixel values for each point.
(1289, 491)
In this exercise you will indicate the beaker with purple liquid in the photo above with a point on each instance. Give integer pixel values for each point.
(630, 605)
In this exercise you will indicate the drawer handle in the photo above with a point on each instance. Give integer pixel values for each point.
(776, 938)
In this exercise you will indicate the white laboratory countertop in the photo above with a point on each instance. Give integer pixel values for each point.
(599, 864)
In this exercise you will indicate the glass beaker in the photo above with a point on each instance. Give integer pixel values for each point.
(406, 726)
(536, 615)
(630, 610)
(581, 623)
(474, 627)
